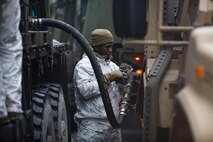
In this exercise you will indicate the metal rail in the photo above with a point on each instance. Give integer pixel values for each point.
(154, 42)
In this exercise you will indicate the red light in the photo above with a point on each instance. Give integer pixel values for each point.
(137, 58)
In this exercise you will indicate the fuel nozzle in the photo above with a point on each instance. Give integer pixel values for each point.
(124, 103)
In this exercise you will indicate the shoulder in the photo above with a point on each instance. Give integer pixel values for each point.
(84, 63)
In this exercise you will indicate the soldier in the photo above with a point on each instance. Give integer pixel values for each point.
(93, 125)
(10, 61)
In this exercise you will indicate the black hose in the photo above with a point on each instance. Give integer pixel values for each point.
(96, 67)
(121, 118)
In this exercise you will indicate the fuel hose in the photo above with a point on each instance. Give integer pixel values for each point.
(96, 67)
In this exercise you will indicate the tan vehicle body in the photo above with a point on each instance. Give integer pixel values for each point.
(185, 111)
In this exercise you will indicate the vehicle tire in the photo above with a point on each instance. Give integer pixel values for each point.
(56, 95)
(43, 123)
(129, 18)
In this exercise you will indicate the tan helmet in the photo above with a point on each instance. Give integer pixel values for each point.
(101, 36)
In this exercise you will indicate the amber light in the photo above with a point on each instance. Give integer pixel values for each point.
(199, 71)
(137, 58)
(139, 72)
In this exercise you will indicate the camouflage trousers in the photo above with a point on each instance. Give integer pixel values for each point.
(10, 58)
(96, 133)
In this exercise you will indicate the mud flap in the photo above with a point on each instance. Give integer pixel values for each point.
(0, 9)
(13, 131)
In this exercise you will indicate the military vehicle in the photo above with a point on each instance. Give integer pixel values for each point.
(48, 64)
(169, 40)
(47, 81)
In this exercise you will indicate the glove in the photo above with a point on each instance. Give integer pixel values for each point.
(113, 76)
(124, 67)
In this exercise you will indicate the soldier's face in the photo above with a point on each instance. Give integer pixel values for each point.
(105, 49)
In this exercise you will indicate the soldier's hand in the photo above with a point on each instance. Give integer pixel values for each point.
(114, 76)
(124, 67)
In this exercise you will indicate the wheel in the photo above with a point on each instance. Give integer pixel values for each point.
(59, 112)
(133, 24)
(43, 123)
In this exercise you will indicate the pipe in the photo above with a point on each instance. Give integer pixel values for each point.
(154, 42)
(96, 67)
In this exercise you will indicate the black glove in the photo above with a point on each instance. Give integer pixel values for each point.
(124, 67)
(127, 70)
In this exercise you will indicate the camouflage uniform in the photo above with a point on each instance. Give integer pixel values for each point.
(93, 125)
(10, 57)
